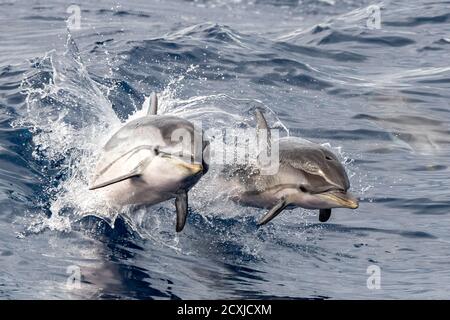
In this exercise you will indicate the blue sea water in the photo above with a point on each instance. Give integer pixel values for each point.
(378, 95)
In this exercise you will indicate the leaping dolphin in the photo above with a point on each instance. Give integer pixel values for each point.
(141, 163)
(309, 176)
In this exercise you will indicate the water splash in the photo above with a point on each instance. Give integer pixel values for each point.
(71, 119)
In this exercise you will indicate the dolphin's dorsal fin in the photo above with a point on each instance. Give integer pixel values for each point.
(261, 122)
(261, 125)
(263, 137)
(153, 107)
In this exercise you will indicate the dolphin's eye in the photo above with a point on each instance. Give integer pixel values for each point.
(328, 158)
(156, 151)
(303, 188)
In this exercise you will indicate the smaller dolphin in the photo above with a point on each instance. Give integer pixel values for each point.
(309, 176)
(144, 162)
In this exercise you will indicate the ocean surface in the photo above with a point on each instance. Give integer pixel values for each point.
(370, 80)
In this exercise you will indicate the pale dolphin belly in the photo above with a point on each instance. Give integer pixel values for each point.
(157, 183)
(134, 191)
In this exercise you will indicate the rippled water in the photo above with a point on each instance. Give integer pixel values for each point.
(378, 97)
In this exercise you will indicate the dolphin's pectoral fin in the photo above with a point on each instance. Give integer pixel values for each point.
(136, 172)
(324, 215)
(181, 204)
(272, 213)
(132, 174)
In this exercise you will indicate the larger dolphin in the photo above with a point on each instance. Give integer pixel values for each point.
(146, 163)
(309, 176)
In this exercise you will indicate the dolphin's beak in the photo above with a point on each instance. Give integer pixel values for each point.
(193, 168)
(342, 199)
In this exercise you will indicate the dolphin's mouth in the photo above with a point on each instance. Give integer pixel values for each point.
(341, 198)
(194, 168)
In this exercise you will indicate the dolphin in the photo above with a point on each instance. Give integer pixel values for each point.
(308, 176)
(152, 159)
